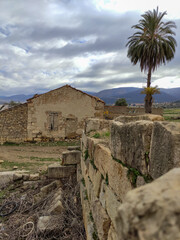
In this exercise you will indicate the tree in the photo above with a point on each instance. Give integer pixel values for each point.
(121, 102)
(150, 91)
(152, 45)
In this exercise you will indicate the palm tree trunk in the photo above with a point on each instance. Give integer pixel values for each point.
(149, 77)
(148, 99)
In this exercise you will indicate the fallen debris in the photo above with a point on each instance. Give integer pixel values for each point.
(56, 214)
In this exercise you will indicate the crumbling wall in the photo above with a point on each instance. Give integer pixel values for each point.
(111, 112)
(136, 153)
(13, 124)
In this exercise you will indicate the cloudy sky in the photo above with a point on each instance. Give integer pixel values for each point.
(45, 44)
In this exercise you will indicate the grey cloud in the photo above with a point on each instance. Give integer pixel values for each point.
(30, 54)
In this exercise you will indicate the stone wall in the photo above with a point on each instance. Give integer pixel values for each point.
(136, 153)
(60, 113)
(111, 112)
(13, 124)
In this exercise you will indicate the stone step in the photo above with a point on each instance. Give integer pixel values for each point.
(57, 171)
(71, 157)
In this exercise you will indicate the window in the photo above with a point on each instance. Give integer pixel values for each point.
(53, 121)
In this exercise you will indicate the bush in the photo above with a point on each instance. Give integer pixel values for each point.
(121, 102)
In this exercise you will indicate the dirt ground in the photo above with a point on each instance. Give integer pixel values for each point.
(32, 157)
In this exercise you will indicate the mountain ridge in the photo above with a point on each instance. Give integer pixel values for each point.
(109, 96)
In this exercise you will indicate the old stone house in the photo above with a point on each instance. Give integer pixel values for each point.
(56, 115)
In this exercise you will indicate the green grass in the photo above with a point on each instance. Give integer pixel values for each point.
(23, 165)
(44, 144)
(101, 135)
(172, 114)
(96, 135)
(45, 159)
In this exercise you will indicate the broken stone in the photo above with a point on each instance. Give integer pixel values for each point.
(149, 117)
(34, 177)
(47, 223)
(17, 176)
(50, 187)
(101, 219)
(140, 181)
(165, 148)
(71, 157)
(56, 208)
(46, 190)
(71, 148)
(129, 149)
(57, 171)
(25, 177)
(152, 211)
(15, 167)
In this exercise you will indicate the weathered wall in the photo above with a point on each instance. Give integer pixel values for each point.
(13, 124)
(61, 113)
(136, 153)
(111, 112)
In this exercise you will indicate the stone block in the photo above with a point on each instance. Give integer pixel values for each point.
(34, 177)
(79, 173)
(96, 179)
(88, 224)
(152, 211)
(56, 171)
(84, 140)
(89, 189)
(47, 224)
(6, 178)
(94, 124)
(102, 158)
(101, 220)
(114, 173)
(130, 143)
(50, 187)
(118, 179)
(71, 157)
(140, 181)
(91, 143)
(102, 198)
(17, 176)
(56, 208)
(84, 167)
(112, 204)
(165, 148)
(72, 148)
(112, 235)
(148, 117)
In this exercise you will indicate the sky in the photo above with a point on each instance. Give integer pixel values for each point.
(45, 44)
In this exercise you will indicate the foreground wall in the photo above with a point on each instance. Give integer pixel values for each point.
(13, 124)
(137, 153)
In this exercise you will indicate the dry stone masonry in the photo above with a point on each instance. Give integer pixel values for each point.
(13, 124)
(117, 202)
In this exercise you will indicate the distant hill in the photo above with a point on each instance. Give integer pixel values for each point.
(109, 96)
(133, 95)
(15, 98)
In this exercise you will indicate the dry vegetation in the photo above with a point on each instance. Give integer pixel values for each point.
(21, 197)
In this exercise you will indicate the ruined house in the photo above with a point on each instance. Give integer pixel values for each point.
(55, 115)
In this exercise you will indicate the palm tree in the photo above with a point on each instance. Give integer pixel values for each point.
(152, 45)
(150, 91)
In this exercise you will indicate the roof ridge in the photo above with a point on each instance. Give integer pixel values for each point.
(38, 95)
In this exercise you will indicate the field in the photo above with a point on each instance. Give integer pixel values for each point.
(172, 114)
(34, 157)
